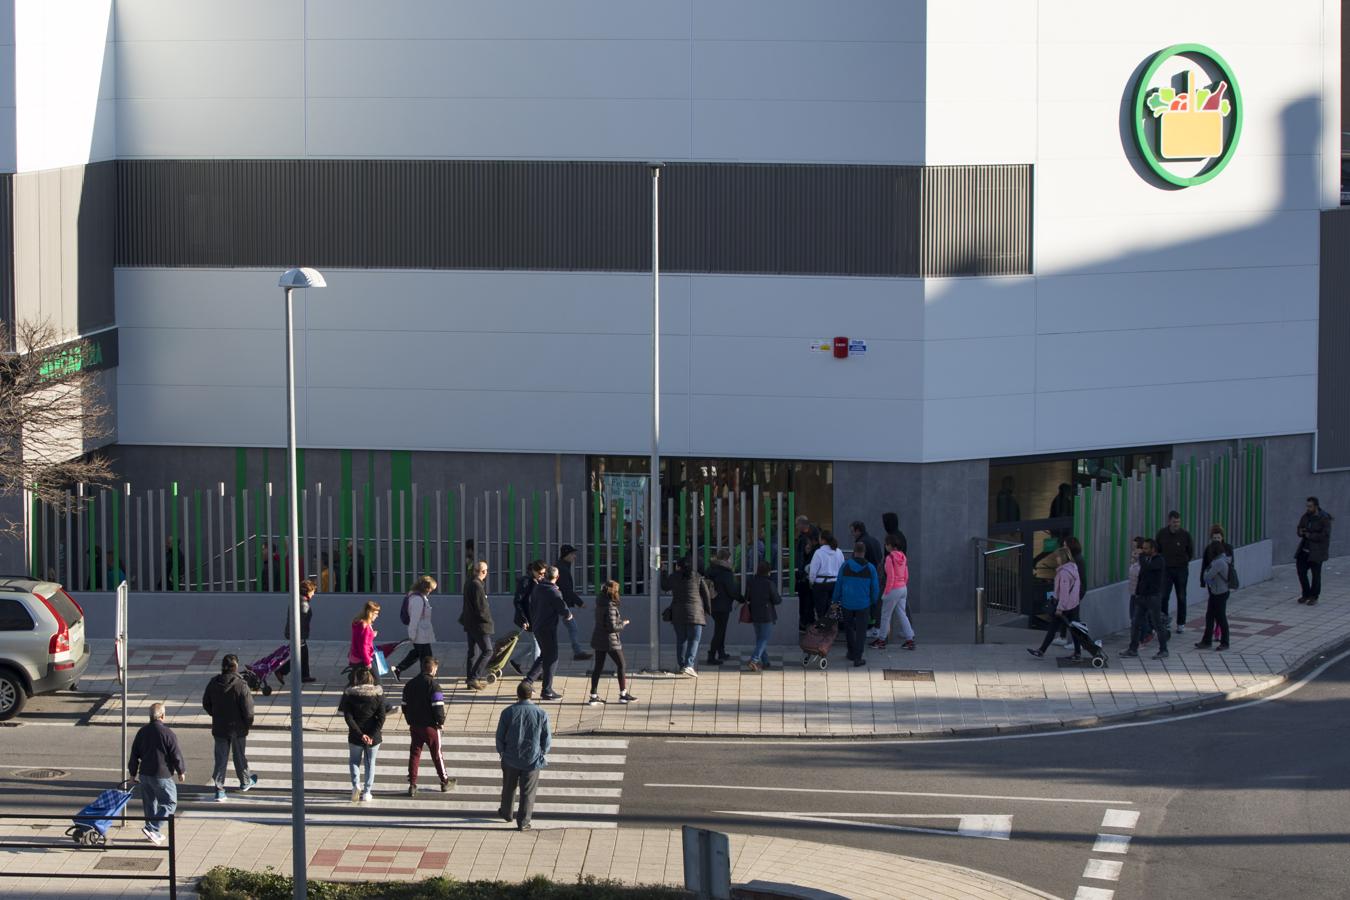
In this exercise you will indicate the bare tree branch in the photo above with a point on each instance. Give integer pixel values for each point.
(52, 407)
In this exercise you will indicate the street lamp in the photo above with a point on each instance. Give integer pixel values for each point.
(654, 482)
(292, 279)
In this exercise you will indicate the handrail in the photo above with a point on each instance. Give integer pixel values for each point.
(170, 848)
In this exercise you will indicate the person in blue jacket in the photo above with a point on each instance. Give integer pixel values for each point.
(855, 590)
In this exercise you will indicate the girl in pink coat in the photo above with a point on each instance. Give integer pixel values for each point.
(1068, 594)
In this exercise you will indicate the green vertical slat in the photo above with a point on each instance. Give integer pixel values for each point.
(426, 535)
(240, 526)
(707, 523)
(1148, 503)
(1078, 523)
(1158, 510)
(511, 529)
(792, 531)
(1122, 568)
(1113, 549)
(534, 525)
(260, 522)
(595, 542)
(1227, 496)
(1086, 539)
(173, 559)
(684, 520)
(1261, 490)
(344, 519)
(370, 532)
(1195, 494)
(452, 546)
(1181, 500)
(198, 543)
(618, 526)
(401, 516)
(767, 525)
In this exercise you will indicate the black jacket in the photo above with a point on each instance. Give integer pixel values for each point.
(1177, 550)
(901, 542)
(1150, 576)
(230, 704)
(362, 706)
(872, 550)
(567, 585)
(546, 608)
(724, 583)
(155, 753)
(521, 601)
(423, 702)
(763, 598)
(608, 625)
(1315, 529)
(477, 615)
(1212, 550)
(306, 613)
(690, 597)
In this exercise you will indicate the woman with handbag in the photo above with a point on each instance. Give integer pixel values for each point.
(760, 609)
(1218, 576)
(361, 653)
(605, 641)
(824, 569)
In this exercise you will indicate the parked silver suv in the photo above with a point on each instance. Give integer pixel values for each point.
(42, 647)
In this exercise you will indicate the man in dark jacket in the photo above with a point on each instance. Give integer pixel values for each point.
(547, 609)
(1314, 547)
(229, 702)
(690, 606)
(478, 627)
(808, 538)
(1148, 611)
(156, 759)
(567, 586)
(1177, 549)
(726, 594)
(520, 602)
(424, 708)
(307, 591)
(876, 558)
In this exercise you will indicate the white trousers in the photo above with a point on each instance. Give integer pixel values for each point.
(892, 603)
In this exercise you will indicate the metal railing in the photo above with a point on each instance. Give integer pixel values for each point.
(109, 874)
(998, 579)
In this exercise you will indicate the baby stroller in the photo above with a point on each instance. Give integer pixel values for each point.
(92, 823)
(501, 653)
(255, 674)
(1093, 647)
(819, 638)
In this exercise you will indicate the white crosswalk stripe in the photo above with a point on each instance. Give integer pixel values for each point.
(583, 779)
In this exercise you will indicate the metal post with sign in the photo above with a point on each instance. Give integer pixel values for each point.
(120, 654)
(707, 863)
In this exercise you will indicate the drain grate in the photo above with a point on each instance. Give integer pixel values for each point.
(41, 774)
(128, 863)
(907, 674)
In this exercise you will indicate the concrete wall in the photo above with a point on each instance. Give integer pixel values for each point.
(1290, 480)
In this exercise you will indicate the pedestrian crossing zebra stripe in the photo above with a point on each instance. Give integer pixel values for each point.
(392, 820)
(447, 740)
(495, 773)
(554, 759)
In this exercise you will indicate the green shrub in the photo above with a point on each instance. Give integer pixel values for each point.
(235, 884)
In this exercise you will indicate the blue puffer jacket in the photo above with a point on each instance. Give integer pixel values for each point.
(856, 587)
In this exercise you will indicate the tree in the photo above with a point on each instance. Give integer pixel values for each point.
(52, 410)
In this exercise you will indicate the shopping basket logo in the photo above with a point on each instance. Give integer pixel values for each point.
(1188, 114)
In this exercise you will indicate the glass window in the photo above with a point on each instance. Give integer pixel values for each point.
(14, 617)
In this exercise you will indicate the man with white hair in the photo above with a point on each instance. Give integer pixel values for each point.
(156, 759)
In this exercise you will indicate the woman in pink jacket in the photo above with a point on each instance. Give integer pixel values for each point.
(361, 654)
(895, 596)
(1068, 594)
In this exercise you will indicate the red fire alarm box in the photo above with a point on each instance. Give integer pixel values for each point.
(841, 348)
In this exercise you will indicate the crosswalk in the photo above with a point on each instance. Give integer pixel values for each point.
(581, 787)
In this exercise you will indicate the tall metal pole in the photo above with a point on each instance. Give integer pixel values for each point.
(298, 861)
(654, 481)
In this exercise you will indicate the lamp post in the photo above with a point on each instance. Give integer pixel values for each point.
(654, 481)
(292, 279)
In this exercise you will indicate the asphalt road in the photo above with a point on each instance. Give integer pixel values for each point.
(1249, 802)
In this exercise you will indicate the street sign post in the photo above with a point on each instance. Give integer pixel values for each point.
(120, 654)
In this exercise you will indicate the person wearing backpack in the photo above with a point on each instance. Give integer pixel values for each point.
(1068, 594)
(416, 614)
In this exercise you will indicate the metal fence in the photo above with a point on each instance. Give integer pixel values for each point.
(1229, 490)
(378, 542)
(998, 579)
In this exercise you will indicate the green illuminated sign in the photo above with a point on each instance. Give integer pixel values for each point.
(1187, 114)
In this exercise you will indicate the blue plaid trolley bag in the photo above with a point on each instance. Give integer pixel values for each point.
(92, 823)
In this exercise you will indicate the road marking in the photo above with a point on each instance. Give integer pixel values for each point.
(1111, 843)
(997, 828)
(801, 790)
(1120, 818)
(320, 818)
(447, 740)
(1103, 869)
(47, 763)
(1093, 893)
(575, 759)
(385, 800)
(1145, 723)
(429, 785)
(549, 774)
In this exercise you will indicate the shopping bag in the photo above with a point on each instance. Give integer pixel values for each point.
(380, 664)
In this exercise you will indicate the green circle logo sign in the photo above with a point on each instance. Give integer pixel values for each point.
(1187, 114)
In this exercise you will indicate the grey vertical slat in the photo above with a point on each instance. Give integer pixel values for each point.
(1333, 335)
(975, 220)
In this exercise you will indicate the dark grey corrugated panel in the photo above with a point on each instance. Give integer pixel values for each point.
(7, 253)
(95, 228)
(976, 220)
(1333, 336)
(449, 214)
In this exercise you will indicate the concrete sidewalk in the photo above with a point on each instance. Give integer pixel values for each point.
(936, 689)
(634, 856)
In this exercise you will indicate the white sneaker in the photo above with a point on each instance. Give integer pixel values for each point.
(366, 798)
(627, 698)
(689, 670)
(153, 837)
(356, 794)
(595, 700)
(1181, 629)
(874, 633)
(1062, 642)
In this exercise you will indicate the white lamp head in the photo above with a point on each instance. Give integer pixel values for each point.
(302, 278)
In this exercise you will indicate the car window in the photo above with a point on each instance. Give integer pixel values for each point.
(66, 607)
(14, 617)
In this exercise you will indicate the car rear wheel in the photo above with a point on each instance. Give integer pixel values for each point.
(12, 696)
